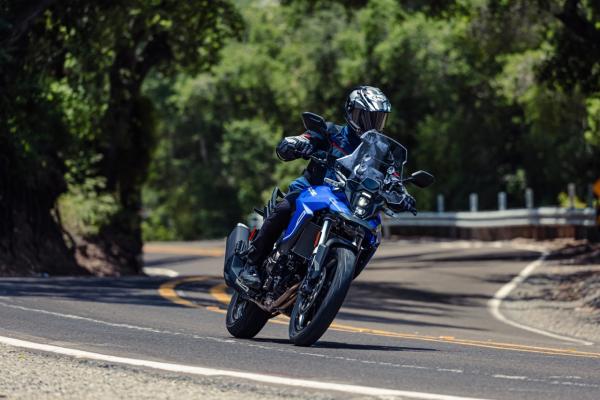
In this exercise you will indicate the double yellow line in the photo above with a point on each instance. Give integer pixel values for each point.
(168, 290)
(184, 250)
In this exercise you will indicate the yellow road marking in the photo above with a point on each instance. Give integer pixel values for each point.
(220, 294)
(184, 250)
(168, 291)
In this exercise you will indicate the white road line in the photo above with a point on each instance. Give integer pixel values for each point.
(210, 338)
(456, 371)
(517, 377)
(495, 302)
(189, 369)
(87, 319)
(156, 271)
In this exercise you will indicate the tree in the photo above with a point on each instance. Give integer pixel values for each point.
(98, 53)
(575, 62)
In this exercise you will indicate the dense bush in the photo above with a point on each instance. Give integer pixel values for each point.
(482, 95)
(162, 116)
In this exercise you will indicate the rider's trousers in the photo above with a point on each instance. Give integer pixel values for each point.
(272, 228)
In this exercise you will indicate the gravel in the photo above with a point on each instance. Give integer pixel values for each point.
(32, 375)
(562, 296)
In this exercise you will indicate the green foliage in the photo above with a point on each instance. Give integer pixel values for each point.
(85, 208)
(474, 97)
(563, 201)
(592, 132)
(74, 125)
(516, 183)
(244, 154)
(227, 122)
(174, 108)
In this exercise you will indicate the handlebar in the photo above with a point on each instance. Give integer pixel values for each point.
(334, 183)
(318, 159)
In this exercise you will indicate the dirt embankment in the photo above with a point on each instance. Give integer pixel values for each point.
(582, 284)
(563, 295)
(79, 257)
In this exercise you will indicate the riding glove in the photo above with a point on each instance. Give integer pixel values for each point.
(294, 147)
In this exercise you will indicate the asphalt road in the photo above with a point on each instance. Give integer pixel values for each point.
(417, 319)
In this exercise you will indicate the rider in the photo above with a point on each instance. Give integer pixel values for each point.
(366, 108)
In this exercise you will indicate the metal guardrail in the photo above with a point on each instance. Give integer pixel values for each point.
(544, 216)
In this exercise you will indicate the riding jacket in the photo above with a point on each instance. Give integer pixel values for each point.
(339, 142)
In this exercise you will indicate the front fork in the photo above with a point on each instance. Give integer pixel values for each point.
(320, 252)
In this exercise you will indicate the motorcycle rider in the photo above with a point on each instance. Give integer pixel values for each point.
(366, 108)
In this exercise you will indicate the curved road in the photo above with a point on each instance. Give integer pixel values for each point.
(416, 320)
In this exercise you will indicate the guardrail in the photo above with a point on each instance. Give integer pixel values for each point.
(502, 218)
(449, 222)
(540, 223)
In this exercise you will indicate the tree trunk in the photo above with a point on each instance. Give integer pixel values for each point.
(129, 140)
(31, 238)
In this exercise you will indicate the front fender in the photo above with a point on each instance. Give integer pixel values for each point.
(341, 242)
(324, 249)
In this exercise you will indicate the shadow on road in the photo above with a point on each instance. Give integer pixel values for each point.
(400, 302)
(171, 260)
(386, 302)
(345, 346)
(357, 317)
(374, 294)
(437, 260)
(505, 256)
(127, 290)
(383, 302)
(350, 346)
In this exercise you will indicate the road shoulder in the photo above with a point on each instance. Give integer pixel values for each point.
(562, 296)
(33, 375)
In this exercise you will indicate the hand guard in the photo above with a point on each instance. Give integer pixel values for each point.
(409, 203)
(404, 202)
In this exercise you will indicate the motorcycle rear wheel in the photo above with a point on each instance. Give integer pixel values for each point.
(310, 318)
(244, 318)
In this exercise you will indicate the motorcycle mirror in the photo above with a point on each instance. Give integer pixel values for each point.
(314, 122)
(421, 179)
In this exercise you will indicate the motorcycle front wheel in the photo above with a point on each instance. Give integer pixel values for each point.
(312, 314)
(244, 318)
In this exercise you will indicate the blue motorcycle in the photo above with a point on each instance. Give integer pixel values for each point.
(333, 233)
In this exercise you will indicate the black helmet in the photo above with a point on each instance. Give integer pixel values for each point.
(366, 108)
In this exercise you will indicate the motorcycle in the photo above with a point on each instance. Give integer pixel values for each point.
(332, 235)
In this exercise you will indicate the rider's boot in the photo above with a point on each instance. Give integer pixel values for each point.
(250, 276)
(263, 243)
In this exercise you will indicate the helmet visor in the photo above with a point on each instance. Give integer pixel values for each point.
(368, 120)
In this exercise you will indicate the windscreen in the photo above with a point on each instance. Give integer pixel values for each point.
(376, 156)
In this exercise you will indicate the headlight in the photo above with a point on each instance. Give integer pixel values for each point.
(362, 202)
(364, 198)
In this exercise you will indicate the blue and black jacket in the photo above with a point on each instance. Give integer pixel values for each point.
(339, 142)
